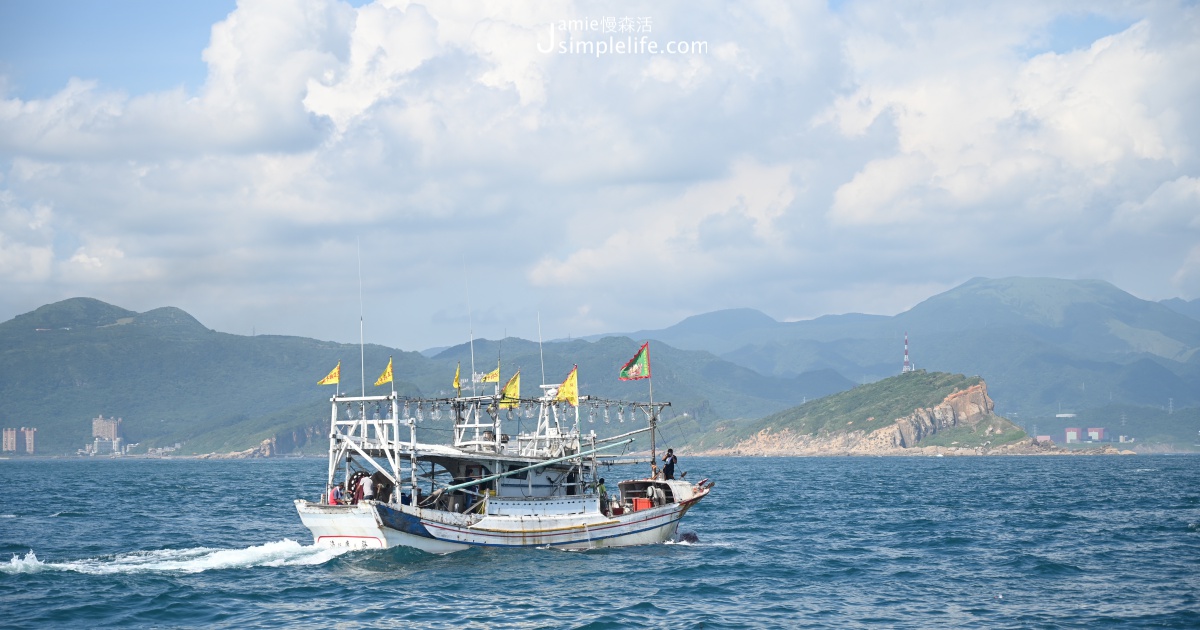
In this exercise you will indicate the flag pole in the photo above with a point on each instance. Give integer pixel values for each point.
(653, 416)
(541, 355)
(471, 325)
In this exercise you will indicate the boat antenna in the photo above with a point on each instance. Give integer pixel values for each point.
(541, 355)
(499, 348)
(362, 359)
(471, 328)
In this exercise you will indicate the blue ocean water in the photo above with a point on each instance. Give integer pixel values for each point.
(966, 542)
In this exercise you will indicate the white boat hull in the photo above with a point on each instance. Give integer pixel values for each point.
(372, 525)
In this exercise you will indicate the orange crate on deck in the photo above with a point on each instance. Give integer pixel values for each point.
(640, 504)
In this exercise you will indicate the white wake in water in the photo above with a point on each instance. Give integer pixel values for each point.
(283, 553)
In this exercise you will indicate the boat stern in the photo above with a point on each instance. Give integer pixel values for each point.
(344, 526)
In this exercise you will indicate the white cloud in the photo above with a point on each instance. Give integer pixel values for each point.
(807, 161)
(26, 234)
(967, 132)
(1187, 277)
(664, 243)
(1173, 205)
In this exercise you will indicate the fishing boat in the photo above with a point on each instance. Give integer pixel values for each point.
(493, 485)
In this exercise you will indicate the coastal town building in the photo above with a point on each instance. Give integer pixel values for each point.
(107, 437)
(1074, 435)
(106, 428)
(1095, 434)
(23, 439)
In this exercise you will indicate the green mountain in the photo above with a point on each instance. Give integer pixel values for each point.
(167, 376)
(1045, 345)
(171, 379)
(1184, 307)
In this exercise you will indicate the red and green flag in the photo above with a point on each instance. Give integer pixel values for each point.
(639, 366)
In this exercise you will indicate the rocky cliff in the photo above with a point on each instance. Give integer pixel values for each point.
(969, 410)
(279, 444)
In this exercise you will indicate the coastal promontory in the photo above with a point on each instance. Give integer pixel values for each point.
(914, 413)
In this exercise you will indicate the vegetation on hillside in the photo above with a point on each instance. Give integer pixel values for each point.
(173, 380)
(864, 408)
(993, 432)
(1147, 426)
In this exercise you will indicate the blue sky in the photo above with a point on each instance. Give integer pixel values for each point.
(137, 46)
(235, 159)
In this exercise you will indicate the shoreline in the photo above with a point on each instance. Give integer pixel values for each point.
(917, 451)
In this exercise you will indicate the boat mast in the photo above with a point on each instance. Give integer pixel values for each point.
(541, 355)
(653, 420)
(653, 432)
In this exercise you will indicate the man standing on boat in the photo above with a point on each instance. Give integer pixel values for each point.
(368, 487)
(669, 467)
(603, 492)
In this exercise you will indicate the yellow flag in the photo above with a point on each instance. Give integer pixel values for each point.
(334, 377)
(457, 384)
(386, 377)
(511, 395)
(491, 377)
(569, 390)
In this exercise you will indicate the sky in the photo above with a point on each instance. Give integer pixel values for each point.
(561, 169)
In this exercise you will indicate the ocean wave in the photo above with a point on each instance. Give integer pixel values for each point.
(281, 553)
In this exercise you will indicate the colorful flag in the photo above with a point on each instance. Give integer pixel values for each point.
(511, 396)
(457, 384)
(386, 377)
(569, 390)
(334, 377)
(491, 377)
(639, 366)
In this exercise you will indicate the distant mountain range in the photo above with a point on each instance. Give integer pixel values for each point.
(170, 379)
(1044, 346)
(1191, 309)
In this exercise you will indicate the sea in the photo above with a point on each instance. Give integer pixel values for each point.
(849, 542)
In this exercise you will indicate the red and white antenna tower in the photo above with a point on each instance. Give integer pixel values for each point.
(907, 364)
